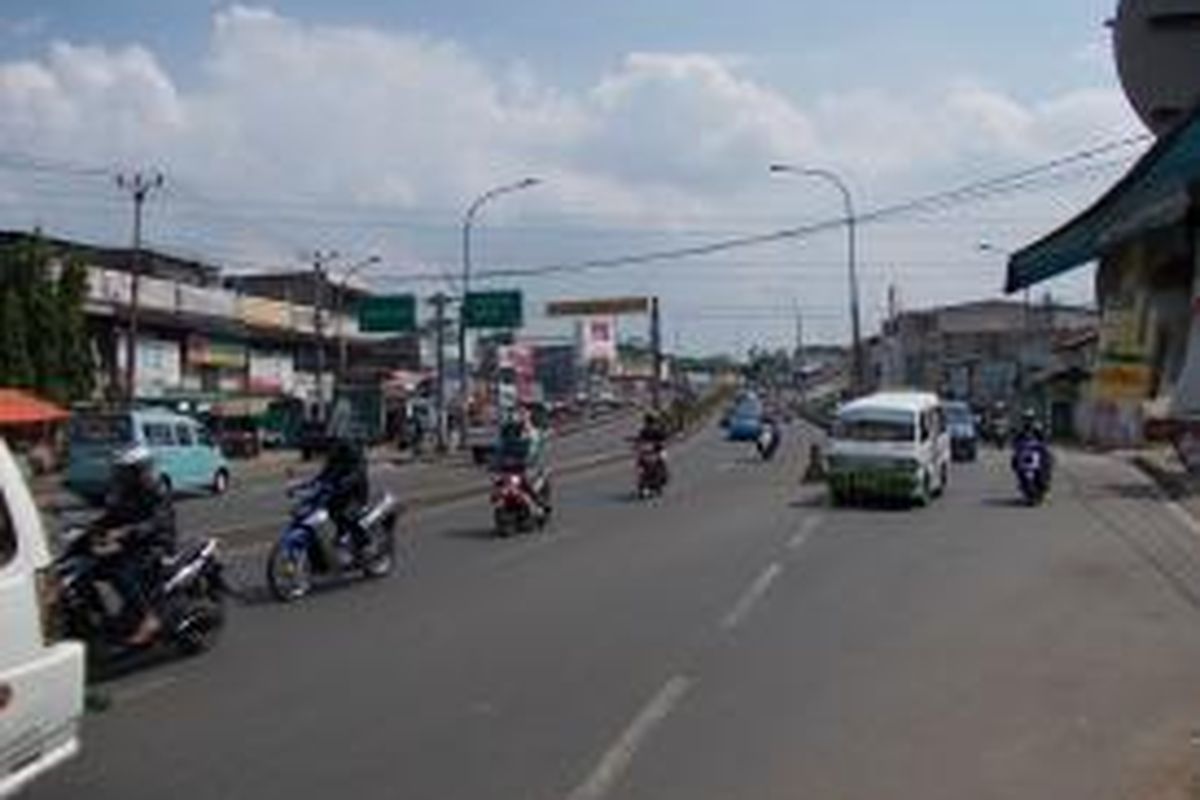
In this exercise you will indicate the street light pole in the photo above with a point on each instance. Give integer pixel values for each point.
(468, 224)
(139, 186)
(340, 311)
(857, 362)
(320, 271)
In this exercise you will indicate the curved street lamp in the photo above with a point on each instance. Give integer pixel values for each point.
(468, 224)
(857, 378)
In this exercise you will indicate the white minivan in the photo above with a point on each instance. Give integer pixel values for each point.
(41, 679)
(892, 444)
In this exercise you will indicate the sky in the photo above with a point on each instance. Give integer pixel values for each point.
(368, 127)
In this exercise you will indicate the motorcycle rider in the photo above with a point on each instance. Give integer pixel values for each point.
(347, 479)
(140, 515)
(1031, 436)
(521, 443)
(652, 437)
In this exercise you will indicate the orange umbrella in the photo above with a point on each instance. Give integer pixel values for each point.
(22, 408)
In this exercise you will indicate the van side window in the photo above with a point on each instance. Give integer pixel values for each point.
(8, 535)
(158, 434)
(204, 437)
(925, 425)
(183, 435)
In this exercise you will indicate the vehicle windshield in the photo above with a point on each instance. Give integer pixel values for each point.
(114, 429)
(875, 428)
(959, 414)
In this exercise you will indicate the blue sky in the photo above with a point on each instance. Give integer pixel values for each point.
(368, 126)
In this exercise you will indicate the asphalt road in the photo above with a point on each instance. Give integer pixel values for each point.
(257, 506)
(735, 639)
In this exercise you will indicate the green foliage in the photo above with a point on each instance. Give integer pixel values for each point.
(44, 344)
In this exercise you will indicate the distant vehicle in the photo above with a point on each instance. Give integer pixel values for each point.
(311, 439)
(964, 436)
(185, 455)
(41, 678)
(892, 444)
(746, 421)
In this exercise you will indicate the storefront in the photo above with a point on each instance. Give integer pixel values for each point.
(1146, 378)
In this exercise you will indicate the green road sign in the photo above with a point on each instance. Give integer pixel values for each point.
(493, 310)
(388, 314)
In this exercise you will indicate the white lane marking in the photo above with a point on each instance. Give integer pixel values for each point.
(616, 760)
(801, 537)
(745, 604)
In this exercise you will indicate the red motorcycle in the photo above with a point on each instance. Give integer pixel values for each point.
(652, 473)
(517, 505)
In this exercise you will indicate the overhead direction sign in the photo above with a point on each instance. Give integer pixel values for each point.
(602, 307)
(387, 314)
(493, 310)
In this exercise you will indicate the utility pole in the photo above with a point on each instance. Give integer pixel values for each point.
(801, 361)
(656, 349)
(440, 301)
(320, 264)
(139, 186)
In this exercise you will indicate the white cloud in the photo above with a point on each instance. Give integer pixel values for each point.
(288, 111)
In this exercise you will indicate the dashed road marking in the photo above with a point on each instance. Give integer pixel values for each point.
(745, 604)
(616, 761)
(807, 528)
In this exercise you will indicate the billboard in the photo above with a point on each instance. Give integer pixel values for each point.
(598, 340)
(606, 307)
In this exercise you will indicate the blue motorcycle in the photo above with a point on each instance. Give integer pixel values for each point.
(312, 546)
(1032, 465)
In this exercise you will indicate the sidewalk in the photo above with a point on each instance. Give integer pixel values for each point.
(1162, 465)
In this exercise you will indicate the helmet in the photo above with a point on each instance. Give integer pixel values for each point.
(1029, 416)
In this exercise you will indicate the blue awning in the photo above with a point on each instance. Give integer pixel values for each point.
(1155, 193)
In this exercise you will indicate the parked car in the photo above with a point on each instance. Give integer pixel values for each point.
(964, 435)
(41, 678)
(892, 444)
(185, 455)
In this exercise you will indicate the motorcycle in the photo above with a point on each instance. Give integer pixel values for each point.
(311, 544)
(516, 506)
(190, 596)
(768, 442)
(1032, 473)
(652, 473)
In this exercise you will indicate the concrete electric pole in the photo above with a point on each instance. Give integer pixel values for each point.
(139, 185)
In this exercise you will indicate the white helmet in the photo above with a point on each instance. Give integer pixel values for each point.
(135, 456)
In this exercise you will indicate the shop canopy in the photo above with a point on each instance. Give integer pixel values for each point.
(22, 408)
(1154, 194)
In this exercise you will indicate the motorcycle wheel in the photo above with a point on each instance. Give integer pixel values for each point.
(505, 523)
(381, 559)
(201, 626)
(289, 573)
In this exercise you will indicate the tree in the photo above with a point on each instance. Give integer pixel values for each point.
(44, 344)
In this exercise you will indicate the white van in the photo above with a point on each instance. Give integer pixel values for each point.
(889, 444)
(41, 680)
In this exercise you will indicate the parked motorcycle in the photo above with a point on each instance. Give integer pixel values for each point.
(1032, 473)
(652, 472)
(311, 545)
(190, 596)
(518, 507)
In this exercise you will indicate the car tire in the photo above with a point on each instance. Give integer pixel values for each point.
(925, 493)
(220, 482)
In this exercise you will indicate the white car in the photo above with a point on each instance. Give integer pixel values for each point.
(891, 444)
(41, 679)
